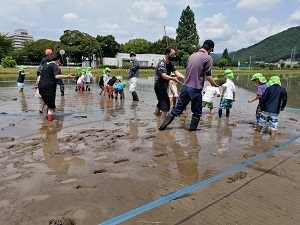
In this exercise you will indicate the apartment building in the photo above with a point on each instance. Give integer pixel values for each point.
(19, 37)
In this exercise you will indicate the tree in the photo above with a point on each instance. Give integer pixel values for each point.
(8, 62)
(159, 47)
(225, 55)
(108, 46)
(262, 65)
(35, 51)
(79, 45)
(138, 45)
(6, 46)
(222, 62)
(187, 30)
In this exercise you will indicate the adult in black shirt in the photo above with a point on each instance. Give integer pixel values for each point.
(47, 85)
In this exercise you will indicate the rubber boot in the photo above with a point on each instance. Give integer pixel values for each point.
(220, 113)
(227, 112)
(169, 118)
(62, 90)
(135, 96)
(194, 123)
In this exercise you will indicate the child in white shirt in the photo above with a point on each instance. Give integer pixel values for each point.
(88, 77)
(207, 99)
(227, 94)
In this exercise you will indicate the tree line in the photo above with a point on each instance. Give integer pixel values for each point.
(80, 46)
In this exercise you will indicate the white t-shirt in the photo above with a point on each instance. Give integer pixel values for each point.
(105, 78)
(210, 92)
(81, 79)
(229, 90)
(88, 77)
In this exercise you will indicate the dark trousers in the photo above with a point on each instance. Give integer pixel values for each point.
(186, 96)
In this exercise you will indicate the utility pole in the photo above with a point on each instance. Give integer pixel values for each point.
(250, 63)
(166, 35)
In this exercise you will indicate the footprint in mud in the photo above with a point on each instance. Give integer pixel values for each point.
(80, 116)
(6, 139)
(248, 155)
(160, 154)
(121, 160)
(237, 176)
(151, 130)
(136, 149)
(62, 221)
(149, 137)
(94, 186)
(100, 171)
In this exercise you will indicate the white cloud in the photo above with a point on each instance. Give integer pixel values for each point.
(191, 3)
(295, 17)
(259, 5)
(252, 22)
(107, 27)
(147, 12)
(171, 31)
(214, 28)
(70, 17)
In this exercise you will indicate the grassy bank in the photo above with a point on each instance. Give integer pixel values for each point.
(7, 73)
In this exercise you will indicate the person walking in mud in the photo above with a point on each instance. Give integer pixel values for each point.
(198, 68)
(261, 85)
(21, 78)
(48, 82)
(163, 72)
(227, 94)
(133, 76)
(271, 103)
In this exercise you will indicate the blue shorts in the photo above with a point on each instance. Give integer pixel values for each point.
(272, 118)
(225, 103)
(20, 85)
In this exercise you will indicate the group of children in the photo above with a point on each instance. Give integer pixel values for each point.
(272, 99)
(83, 81)
(113, 86)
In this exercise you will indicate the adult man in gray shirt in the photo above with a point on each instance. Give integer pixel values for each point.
(198, 67)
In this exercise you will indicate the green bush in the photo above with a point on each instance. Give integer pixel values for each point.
(8, 62)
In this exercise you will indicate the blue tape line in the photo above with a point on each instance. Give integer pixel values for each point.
(172, 196)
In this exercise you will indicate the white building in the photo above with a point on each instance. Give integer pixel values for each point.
(124, 59)
(19, 37)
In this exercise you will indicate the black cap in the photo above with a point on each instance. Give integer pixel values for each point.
(132, 54)
(208, 44)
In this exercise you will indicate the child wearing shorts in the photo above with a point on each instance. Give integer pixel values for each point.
(119, 88)
(227, 94)
(261, 85)
(110, 87)
(272, 102)
(21, 78)
(207, 99)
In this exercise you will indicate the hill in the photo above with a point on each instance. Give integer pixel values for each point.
(272, 49)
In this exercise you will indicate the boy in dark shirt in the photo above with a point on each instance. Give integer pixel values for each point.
(272, 102)
(109, 87)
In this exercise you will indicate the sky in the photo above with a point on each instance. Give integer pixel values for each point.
(232, 24)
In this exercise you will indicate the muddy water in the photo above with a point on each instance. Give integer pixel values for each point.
(118, 141)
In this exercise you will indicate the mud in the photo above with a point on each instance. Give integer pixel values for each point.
(100, 158)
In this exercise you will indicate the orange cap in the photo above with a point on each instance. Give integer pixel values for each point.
(48, 51)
